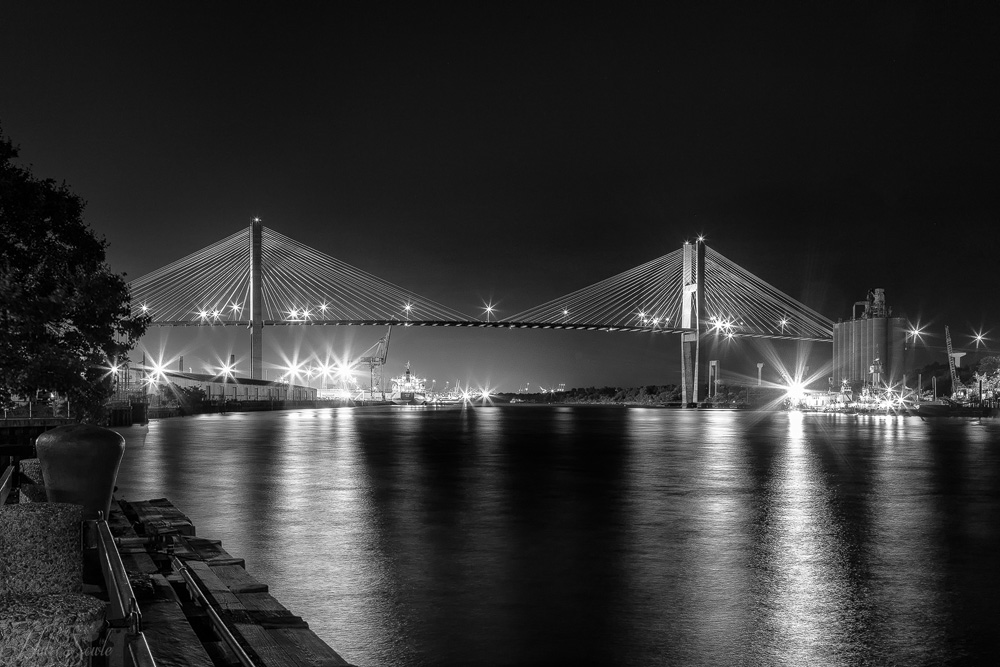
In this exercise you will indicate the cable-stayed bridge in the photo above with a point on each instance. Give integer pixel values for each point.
(258, 278)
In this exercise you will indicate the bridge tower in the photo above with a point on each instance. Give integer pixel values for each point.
(256, 302)
(692, 317)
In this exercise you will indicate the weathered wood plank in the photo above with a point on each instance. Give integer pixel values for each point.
(181, 549)
(216, 591)
(269, 648)
(159, 518)
(207, 549)
(135, 560)
(261, 602)
(221, 653)
(269, 632)
(237, 579)
(306, 643)
(171, 639)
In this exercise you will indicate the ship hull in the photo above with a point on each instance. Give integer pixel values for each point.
(408, 398)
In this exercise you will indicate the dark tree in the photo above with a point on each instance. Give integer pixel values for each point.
(989, 366)
(65, 317)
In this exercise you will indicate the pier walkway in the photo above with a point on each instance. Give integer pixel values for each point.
(199, 605)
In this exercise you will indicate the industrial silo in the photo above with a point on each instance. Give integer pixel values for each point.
(869, 347)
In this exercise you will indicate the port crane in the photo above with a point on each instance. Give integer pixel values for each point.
(956, 385)
(374, 358)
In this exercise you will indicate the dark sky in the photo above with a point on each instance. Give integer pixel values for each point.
(515, 153)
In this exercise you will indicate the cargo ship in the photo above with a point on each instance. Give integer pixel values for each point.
(408, 389)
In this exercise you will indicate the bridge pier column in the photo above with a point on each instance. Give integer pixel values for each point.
(692, 317)
(256, 302)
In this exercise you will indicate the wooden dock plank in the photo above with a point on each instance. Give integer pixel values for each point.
(160, 517)
(135, 560)
(171, 638)
(237, 579)
(261, 601)
(216, 591)
(307, 643)
(207, 549)
(181, 548)
(267, 630)
(269, 648)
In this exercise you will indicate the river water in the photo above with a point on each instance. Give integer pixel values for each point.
(536, 535)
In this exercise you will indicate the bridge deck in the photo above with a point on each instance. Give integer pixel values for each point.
(500, 324)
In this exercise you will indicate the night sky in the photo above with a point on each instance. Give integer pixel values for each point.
(514, 154)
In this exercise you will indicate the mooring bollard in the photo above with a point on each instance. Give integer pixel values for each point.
(80, 464)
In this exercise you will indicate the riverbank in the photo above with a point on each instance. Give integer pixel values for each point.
(199, 605)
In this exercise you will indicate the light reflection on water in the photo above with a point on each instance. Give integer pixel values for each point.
(556, 535)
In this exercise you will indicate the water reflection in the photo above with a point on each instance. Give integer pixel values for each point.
(503, 536)
(804, 592)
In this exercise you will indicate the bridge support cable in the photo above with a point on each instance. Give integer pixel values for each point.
(649, 297)
(740, 303)
(218, 285)
(325, 288)
(646, 297)
(198, 285)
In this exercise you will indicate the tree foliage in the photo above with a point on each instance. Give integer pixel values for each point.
(64, 315)
(988, 374)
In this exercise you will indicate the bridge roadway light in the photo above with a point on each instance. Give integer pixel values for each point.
(488, 310)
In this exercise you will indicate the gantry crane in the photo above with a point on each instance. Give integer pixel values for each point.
(375, 360)
(956, 386)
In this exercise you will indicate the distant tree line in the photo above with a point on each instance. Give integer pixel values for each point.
(644, 395)
(730, 396)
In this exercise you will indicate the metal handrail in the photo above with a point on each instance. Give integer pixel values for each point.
(120, 593)
(124, 619)
(7, 481)
(139, 652)
(220, 626)
(10, 478)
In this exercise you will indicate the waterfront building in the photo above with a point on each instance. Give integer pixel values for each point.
(139, 384)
